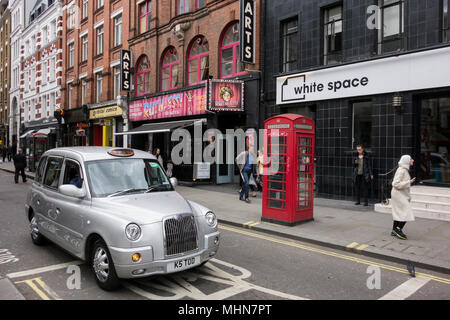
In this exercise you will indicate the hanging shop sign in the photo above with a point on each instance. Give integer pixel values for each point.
(247, 34)
(408, 72)
(226, 95)
(179, 104)
(125, 70)
(112, 111)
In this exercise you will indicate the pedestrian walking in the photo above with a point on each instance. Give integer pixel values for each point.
(246, 162)
(20, 163)
(260, 167)
(362, 175)
(10, 153)
(4, 153)
(401, 197)
(157, 154)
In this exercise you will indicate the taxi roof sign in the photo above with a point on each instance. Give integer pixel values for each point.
(121, 152)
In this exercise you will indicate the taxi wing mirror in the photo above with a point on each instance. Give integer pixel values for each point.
(174, 182)
(72, 191)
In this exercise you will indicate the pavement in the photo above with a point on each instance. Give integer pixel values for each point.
(337, 224)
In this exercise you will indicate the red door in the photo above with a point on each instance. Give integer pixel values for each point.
(98, 136)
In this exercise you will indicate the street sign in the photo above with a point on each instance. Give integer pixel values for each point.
(247, 32)
(125, 69)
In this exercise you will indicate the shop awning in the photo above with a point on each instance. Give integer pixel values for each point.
(45, 131)
(160, 127)
(27, 133)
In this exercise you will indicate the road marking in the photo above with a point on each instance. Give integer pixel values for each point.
(352, 245)
(43, 269)
(44, 286)
(248, 223)
(333, 254)
(362, 247)
(253, 224)
(406, 289)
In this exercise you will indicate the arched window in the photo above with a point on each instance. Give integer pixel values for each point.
(198, 61)
(143, 76)
(230, 65)
(169, 70)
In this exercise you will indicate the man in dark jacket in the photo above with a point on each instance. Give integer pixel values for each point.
(20, 163)
(362, 175)
(4, 152)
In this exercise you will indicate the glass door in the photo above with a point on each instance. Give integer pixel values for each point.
(277, 174)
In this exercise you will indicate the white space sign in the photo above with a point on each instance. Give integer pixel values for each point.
(415, 71)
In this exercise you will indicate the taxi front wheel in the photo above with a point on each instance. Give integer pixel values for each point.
(103, 267)
(37, 238)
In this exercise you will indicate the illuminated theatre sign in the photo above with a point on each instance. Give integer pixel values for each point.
(408, 72)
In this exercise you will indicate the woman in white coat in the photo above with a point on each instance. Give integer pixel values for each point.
(401, 198)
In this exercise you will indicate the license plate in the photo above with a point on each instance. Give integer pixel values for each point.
(183, 264)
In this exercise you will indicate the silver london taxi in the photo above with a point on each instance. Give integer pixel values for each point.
(116, 209)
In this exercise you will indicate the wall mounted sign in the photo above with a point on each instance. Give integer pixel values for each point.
(125, 69)
(408, 72)
(247, 32)
(179, 104)
(226, 95)
(106, 112)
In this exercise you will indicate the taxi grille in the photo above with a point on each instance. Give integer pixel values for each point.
(181, 235)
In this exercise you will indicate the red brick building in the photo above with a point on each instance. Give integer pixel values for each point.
(94, 32)
(177, 45)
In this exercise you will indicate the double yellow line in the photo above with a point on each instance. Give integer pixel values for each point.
(331, 254)
(41, 288)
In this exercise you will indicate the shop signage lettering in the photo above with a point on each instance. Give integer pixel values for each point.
(186, 103)
(226, 95)
(113, 111)
(247, 34)
(125, 69)
(408, 72)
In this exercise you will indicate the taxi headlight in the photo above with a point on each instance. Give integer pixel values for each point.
(133, 232)
(211, 219)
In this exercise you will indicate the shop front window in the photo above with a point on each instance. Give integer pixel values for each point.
(435, 141)
(362, 124)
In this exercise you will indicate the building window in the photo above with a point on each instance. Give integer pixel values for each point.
(100, 40)
(98, 85)
(446, 21)
(145, 15)
(116, 81)
(44, 35)
(333, 35)
(143, 76)
(182, 6)
(118, 31)
(44, 72)
(198, 61)
(289, 46)
(392, 15)
(200, 3)
(83, 92)
(84, 48)
(71, 16)
(44, 105)
(70, 96)
(362, 124)
(169, 70)
(85, 9)
(53, 69)
(230, 65)
(52, 102)
(71, 55)
(100, 3)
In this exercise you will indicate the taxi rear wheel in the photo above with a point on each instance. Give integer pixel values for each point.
(37, 238)
(103, 267)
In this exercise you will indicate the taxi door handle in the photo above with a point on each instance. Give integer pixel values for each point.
(58, 211)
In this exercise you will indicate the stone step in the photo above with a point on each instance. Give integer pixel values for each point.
(430, 197)
(418, 212)
(430, 190)
(440, 206)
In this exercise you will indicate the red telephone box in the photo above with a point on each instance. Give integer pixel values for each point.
(288, 194)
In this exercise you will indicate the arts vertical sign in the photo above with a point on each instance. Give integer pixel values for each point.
(125, 69)
(247, 32)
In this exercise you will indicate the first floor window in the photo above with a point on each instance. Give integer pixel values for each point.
(44, 105)
(289, 46)
(71, 55)
(98, 87)
(182, 6)
(392, 15)
(446, 20)
(229, 52)
(116, 81)
(169, 70)
(70, 96)
(333, 35)
(362, 124)
(52, 102)
(53, 69)
(83, 92)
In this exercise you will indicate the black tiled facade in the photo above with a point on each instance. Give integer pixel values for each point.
(394, 130)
